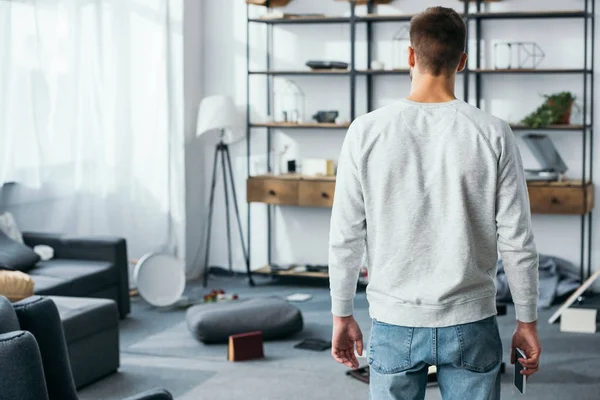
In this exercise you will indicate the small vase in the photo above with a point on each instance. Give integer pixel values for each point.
(566, 117)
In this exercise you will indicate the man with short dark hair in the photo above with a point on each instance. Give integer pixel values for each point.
(433, 189)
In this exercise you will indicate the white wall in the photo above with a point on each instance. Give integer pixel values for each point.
(300, 235)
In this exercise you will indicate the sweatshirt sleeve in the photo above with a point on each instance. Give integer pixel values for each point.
(515, 237)
(348, 227)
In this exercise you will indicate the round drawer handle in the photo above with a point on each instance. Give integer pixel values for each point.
(325, 195)
(272, 193)
(555, 201)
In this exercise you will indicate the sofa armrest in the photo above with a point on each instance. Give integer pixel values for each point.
(39, 316)
(22, 373)
(110, 249)
(154, 394)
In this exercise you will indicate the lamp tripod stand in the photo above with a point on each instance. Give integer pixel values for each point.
(222, 149)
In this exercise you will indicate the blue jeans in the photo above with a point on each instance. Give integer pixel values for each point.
(467, 357)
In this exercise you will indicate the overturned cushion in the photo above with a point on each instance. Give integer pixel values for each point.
(15, 285)
(214, 323)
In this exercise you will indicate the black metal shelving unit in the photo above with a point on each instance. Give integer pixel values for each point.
(587, 16)
(475, 18)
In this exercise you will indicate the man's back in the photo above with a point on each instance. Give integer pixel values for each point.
(433, 189)
(429, 179)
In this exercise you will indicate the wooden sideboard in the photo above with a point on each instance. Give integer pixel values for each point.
(291, 190)
(568, 197)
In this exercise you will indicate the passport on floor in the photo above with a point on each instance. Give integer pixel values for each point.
(245, 346)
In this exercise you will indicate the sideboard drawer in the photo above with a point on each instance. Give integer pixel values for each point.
(272, 191)
(316, 193)
(561, 199)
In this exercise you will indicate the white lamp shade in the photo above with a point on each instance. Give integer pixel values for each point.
(216, 112)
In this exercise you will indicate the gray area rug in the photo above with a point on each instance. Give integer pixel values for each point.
(158, 351)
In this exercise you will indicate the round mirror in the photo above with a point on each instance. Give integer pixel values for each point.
(160, 279)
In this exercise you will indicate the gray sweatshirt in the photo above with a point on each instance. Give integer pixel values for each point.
(432, 193)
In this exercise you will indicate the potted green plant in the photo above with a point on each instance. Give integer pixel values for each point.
(556, 110)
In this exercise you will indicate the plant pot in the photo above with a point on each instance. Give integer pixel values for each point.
(564, 119)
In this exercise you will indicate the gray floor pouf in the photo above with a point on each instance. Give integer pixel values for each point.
(214, 323)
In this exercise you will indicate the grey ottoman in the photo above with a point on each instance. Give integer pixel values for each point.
(92, 334)
(214, 323)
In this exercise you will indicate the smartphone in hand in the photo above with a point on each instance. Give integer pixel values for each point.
(520, 380)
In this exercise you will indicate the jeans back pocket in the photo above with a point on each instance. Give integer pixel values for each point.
(480, 345)
(389, 348)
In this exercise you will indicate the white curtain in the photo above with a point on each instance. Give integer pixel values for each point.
(91, 129)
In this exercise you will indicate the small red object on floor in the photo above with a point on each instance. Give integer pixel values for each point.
(245, 346)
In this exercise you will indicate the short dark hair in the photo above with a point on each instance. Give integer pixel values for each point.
(438, 35)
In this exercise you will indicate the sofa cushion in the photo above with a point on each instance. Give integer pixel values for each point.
(44, 285)
(9, 226)
(15, 285)
(14, 255)
(72, 277)
(83, 317)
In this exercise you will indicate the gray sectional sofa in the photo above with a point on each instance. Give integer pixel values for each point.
(82, 267)
(87, 283)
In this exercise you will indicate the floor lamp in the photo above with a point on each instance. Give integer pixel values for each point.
(218, 113)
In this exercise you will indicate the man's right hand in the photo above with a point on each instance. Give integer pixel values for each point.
(346, 333)
(526, 339)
